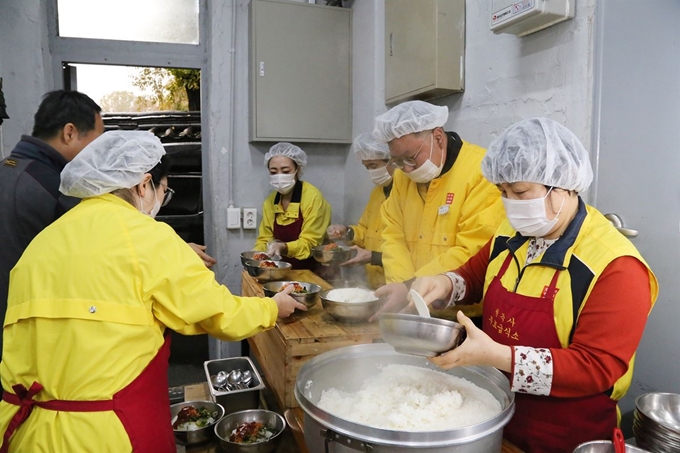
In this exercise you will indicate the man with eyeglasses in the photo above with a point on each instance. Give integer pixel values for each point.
(441, 210)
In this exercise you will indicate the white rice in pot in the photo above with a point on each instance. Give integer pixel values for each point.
(351, 295)
(411, 398)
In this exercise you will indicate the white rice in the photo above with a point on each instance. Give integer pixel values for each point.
(351, 295)
(411, 398)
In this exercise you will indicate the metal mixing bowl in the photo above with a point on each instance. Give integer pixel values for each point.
(662, 408)
(266, 274)
(199, 435)
(270, 419)
(416, 335)
(249, 255)
(331, 257)
(309, 298)
(349, 311)
(604, 446)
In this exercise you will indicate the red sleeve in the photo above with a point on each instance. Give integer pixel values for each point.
(608, 331)
(474, 273)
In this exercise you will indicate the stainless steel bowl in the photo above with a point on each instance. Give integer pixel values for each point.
(331, 257)
(309, 298)
(266, 274)
(656, 421)
(270, 419)
(604, 446)
(199, 435)
(249, 255)
(416, 335)
(349, 311)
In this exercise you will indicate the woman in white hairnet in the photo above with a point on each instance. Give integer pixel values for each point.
(565, 296)
(367, 234)
(85, 360)
(295, 215)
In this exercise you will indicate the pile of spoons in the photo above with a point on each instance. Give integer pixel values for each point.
(234, 380)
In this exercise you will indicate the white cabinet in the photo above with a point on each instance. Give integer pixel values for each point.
(424, 49)
(300, 78)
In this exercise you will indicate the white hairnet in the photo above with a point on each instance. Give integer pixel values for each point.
(114, 160)
(287, 150)
(408, 118)
(538, 150)
(367, 147)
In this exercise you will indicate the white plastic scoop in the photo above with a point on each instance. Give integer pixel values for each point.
(420, 304)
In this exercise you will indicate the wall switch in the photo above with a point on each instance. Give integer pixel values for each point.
(233, 218)
(249, 218)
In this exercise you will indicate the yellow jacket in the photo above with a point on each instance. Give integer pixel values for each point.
(89, 301)
(316, 213)
(458, 215)
(368, 234)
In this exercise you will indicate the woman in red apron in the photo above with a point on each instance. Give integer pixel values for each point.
(565, 296)
(295, 216)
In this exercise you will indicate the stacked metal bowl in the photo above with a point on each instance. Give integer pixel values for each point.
(656, 422)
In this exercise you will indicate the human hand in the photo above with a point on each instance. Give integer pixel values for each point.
(363, 256)
(395, 294)
(277, 249)
(336, 231)
(287, 304)
(434, 290)
(477, 349)
(208, 260)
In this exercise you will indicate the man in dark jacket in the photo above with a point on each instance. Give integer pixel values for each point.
(30, 200)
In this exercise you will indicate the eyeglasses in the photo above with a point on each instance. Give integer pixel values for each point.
(400, 163)
(167, 196)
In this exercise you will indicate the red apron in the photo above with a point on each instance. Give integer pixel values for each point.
(542, 423)
(143, 407)
(291, 232)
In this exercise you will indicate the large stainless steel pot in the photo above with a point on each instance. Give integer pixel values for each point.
(347, 368)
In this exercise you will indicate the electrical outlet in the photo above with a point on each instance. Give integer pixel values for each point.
(249, 218)
(233, 218)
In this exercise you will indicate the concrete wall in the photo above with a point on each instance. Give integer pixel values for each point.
(24, 65)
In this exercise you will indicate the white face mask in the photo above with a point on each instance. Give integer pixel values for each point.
(528, 217)
(283, 183)
(380, 176)
(156, 205)
(428, 171)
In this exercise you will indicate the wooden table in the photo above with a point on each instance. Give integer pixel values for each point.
(281, 351)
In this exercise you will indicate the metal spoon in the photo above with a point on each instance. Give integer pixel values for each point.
(234, 378)
(220, 380)
(246, 378)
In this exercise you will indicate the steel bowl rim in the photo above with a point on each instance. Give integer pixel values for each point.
(421, 319)
(281, 282)
(279, 416)
(285, 266)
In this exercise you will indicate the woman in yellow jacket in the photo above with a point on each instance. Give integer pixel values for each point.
(366, 236)
(85, 346)
(295, 216)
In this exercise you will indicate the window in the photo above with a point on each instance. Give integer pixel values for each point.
(165, 21)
